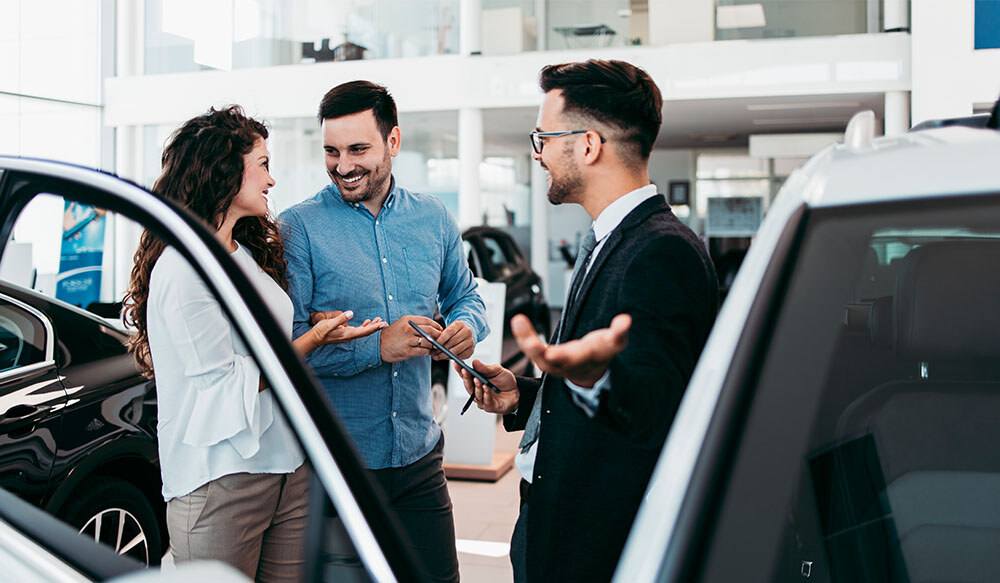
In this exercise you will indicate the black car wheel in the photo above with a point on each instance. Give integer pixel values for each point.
(117, 514)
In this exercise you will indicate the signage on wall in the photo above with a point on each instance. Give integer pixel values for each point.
(987, 18)
(81, 255)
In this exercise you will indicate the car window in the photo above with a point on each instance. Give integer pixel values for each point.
(868, 450)
(22, 337)
(503, 263)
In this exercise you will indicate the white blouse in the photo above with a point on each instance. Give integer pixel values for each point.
(212, 419)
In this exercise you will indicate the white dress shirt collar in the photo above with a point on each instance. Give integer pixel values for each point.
(614, 213)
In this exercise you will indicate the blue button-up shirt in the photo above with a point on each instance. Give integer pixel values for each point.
(407, 261)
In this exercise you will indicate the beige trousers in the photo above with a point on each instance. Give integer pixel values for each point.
(254, 522)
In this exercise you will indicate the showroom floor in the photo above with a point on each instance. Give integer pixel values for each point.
(484, 518)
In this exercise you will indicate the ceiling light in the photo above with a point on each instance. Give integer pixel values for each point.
(799, 121)
(805, 105)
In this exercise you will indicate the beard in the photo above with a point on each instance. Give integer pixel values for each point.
(564, 188)
(376, 181)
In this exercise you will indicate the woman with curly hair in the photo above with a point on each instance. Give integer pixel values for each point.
(233, 474)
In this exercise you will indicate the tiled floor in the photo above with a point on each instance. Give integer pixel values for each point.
(486, 512)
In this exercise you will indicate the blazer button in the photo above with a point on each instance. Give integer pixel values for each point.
(548, 411)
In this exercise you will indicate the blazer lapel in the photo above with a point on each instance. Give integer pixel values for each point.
(632, 220)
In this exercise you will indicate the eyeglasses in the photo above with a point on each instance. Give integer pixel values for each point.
(536, 138)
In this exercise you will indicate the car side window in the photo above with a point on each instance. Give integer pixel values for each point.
(875, 413)
(503, 264)
(22, 337)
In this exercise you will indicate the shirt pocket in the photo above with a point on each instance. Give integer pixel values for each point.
(423, 272)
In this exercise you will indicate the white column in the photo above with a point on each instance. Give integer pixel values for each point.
(681, 21)
(540, 225)
(542, 26)
(470, 26)
(470, 154)
(895, 15)
(128, 156)
(897, 112)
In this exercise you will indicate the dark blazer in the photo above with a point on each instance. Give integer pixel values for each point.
(590, 473)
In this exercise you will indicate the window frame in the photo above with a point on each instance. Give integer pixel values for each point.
(48, 359)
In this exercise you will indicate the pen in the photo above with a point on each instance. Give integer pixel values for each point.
(465, 408)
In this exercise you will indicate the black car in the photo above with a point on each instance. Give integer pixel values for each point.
(494, 256)
(77, 424)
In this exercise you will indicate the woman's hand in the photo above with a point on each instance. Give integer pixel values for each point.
(331, 328)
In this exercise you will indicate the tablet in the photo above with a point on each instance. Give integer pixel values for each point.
(452, 356)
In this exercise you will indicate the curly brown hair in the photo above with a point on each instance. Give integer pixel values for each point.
(202, 171)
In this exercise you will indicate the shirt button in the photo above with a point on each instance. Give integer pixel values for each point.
(393, 413)
(376, 222)
(384, 260)
(390, 297)
(395, 373)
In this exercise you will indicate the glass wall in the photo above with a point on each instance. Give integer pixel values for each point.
(752, 19)
(50, 80)
(236, 34)
(195, 35)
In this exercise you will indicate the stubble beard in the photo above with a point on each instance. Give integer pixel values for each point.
(564, 188)
(378, 180)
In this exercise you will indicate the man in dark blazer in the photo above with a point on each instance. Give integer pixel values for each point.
(643, 299)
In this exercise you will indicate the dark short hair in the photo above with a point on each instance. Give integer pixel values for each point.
(614, 93)
(357, 96)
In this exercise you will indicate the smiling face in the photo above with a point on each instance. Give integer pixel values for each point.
(557, 157)
(358, 159)
(251, 201)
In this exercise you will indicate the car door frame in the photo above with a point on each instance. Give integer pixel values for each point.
(374, 531)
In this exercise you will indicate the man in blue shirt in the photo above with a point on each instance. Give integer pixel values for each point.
(366, 244)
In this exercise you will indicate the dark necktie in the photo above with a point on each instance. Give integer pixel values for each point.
(579, 274)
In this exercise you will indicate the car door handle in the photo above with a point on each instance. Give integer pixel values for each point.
(17, 413)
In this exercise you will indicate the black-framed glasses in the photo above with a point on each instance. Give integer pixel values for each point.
(537, 143)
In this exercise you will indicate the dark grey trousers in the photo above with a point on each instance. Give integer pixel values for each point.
(419, 495)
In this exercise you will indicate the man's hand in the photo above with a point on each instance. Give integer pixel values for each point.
(582, 362)
(400, 341)
(457, 337)
(504, 402)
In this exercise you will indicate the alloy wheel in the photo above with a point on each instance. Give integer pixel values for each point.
(118, 528)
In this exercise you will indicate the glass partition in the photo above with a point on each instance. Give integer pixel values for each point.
(240, 34)
(237, 34)
(752, 19)
(50, 80)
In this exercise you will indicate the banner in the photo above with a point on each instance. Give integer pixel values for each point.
(81, 255)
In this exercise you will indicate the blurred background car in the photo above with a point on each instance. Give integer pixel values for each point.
(77, 424)
(493, 255)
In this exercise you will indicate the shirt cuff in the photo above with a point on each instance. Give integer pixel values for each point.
(368, 352)
(590, 399)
